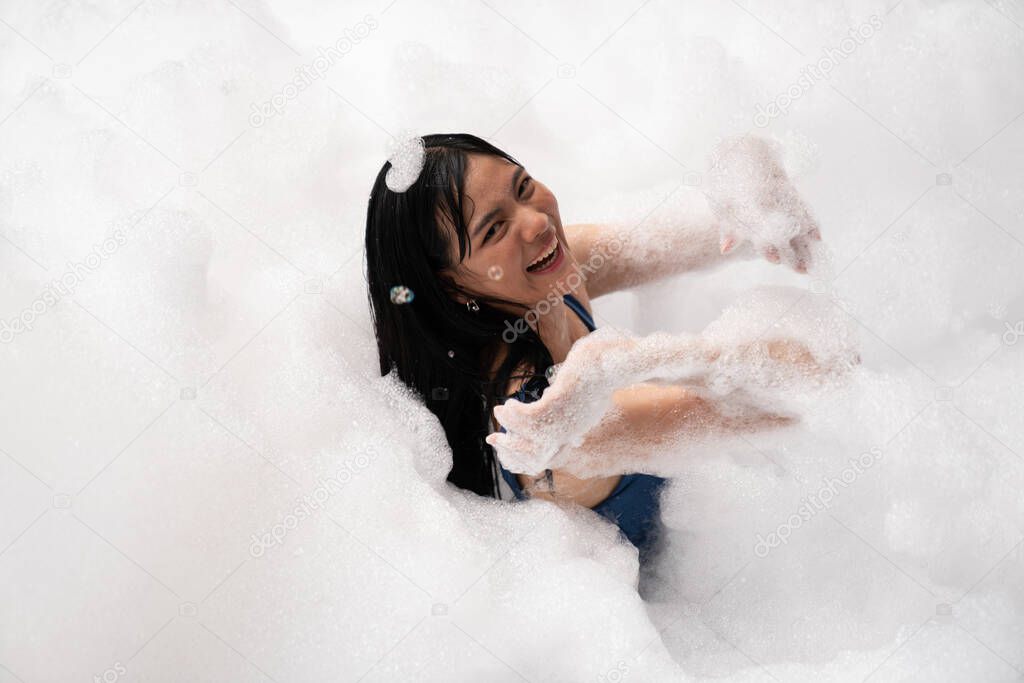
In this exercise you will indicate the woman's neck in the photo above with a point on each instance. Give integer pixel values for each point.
(557, 332)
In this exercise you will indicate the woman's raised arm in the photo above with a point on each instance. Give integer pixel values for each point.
(747, 207)
(618, 257)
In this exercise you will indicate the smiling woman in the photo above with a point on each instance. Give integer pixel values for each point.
(476, 243)
(479, 242)
(444, 342)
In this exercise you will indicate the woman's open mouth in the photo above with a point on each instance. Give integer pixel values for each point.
(551, 260)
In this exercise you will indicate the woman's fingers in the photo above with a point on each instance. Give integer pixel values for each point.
(539, 427)
(515, 415)
(801, 254)
(772, 254)
(517, 453)
(789, 255)
(511, 443)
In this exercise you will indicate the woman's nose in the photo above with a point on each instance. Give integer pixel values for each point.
(534, 224)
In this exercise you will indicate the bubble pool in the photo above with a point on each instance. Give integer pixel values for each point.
(204, 479)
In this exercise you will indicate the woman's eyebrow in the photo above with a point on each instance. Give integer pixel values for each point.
(486, 218)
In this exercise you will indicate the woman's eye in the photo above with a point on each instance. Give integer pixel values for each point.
(493, 231)
(523, 185)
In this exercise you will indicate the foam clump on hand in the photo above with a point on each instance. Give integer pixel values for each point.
(578, 396)
(406, 160)
(756, 203)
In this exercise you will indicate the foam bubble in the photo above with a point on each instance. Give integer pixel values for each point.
(406, 163)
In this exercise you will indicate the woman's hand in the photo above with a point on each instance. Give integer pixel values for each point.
(756, 202)
(581, 392)
(577, 397)
(522, 453)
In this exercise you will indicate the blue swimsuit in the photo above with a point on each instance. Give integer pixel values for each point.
(633, 505)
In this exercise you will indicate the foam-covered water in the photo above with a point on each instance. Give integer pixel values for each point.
(203, 479)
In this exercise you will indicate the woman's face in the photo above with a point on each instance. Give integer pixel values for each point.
(518, 246)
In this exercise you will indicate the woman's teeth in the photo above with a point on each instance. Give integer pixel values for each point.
(545, 258)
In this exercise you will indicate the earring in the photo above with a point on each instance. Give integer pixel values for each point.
(472, 306)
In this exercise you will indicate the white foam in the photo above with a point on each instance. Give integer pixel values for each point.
(754, 199)
(406, 160)
(217, 373)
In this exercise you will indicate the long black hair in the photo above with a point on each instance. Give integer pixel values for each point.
(434, 343)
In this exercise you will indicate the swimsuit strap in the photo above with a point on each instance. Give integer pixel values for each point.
(573, 303)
